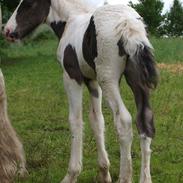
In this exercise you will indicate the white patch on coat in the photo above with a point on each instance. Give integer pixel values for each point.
(124, 23)
(52, 16)
(68, 8)
(12, 23)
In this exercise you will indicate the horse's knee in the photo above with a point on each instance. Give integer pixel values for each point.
(124, 127)
(76, 123)
(95, 115)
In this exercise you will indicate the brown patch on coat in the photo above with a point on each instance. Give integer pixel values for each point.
(122, 51)
(71, 64)
(58, 28)
(12, 159)
(93, 91)
(90, 44)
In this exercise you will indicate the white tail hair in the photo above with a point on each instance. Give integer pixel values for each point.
(133, 34)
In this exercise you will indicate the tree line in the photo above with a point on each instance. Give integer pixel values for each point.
(170, 23)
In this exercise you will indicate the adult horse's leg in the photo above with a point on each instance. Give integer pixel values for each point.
(74, 93)
(12, 157)
(97, 124)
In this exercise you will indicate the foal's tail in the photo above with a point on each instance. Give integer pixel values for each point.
(141, 73)
(136, 45)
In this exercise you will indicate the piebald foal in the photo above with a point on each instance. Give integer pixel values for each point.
(96, 48)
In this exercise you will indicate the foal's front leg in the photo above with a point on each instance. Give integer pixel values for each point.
(74, 93)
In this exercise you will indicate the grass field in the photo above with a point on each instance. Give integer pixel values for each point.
(38, 109)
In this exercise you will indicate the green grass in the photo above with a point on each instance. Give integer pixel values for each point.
(38, 110)
(168, 50)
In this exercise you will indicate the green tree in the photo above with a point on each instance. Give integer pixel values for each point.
(151, 11)
(175, 19)
(10, 4)
(7, 8)
(0, 19)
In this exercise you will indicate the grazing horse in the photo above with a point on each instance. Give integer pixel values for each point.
(12, 160)
(98, 46)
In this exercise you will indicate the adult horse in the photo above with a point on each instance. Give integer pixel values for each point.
(12, 159)
(97, 48)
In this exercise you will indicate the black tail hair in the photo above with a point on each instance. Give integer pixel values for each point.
(141, 75)
(145, 67)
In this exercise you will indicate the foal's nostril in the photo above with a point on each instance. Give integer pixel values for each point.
(13, 35)
(7, 32)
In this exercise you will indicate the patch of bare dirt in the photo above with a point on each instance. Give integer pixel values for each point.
(173, 68)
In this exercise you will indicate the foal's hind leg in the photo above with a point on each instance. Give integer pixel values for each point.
(74, 93)
(145, 123)
(122, 119)
(97, 124)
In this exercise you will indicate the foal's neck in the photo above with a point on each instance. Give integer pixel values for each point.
(68, 8)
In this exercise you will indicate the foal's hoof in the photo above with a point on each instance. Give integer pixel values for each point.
(123, 181)
(65, 180)
(146, 177)
(68, 179)
(146, 180)
(104, 177)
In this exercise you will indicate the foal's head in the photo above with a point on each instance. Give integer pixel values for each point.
(27, 16)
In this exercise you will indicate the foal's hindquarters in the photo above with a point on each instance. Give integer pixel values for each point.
(12, 160)
(123, 48)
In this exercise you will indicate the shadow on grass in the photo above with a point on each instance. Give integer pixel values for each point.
(11, 61)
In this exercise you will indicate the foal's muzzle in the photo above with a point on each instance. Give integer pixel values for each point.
(11, 36)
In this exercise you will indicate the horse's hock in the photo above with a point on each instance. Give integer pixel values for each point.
(12, 160)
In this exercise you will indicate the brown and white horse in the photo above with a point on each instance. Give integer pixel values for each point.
(98, 46)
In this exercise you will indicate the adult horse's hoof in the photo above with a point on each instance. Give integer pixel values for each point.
(23, 173)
